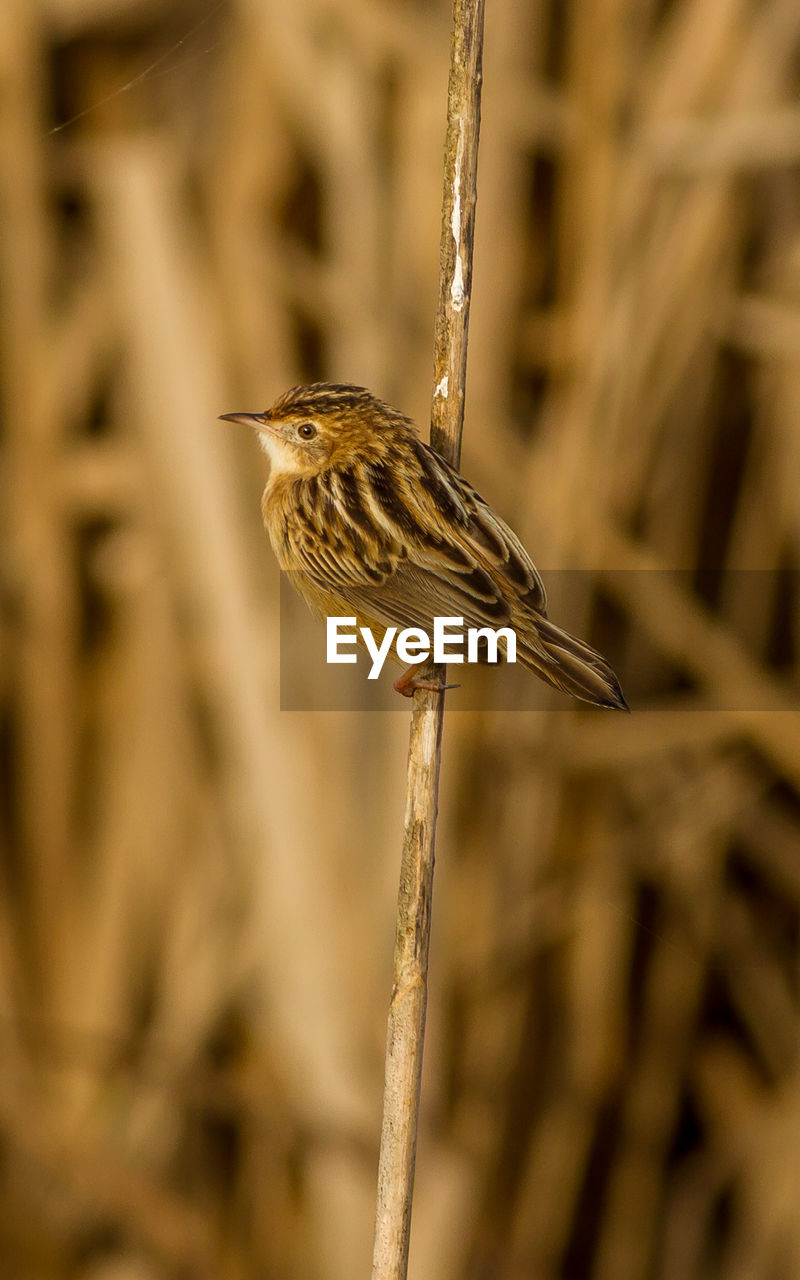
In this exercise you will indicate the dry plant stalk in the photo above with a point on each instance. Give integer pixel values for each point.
(406, 1023)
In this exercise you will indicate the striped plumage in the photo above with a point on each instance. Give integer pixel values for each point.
(369, 521)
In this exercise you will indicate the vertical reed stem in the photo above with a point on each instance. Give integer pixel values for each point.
(406, 1023)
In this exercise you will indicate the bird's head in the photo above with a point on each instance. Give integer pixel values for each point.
(324, 425)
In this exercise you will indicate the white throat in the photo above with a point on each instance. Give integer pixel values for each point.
(282, 458)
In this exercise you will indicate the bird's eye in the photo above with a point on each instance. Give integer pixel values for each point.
(306, 431)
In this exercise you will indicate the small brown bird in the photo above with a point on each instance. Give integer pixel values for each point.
(369, 521)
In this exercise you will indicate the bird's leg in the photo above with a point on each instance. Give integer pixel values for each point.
(411, 680)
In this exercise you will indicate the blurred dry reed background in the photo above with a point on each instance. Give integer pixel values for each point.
(198, 890)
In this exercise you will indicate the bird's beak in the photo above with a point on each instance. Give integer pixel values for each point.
(258, 421)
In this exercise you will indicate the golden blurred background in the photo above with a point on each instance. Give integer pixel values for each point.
(200, 205)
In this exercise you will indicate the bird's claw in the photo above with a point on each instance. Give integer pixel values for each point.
(411, 680)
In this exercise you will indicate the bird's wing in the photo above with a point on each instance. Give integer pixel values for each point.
(425, 543)
(477, 529)
(407, 587)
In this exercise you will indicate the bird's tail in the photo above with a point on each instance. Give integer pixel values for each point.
(571, 665)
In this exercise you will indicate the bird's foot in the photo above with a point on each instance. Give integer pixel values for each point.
(411, 680)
